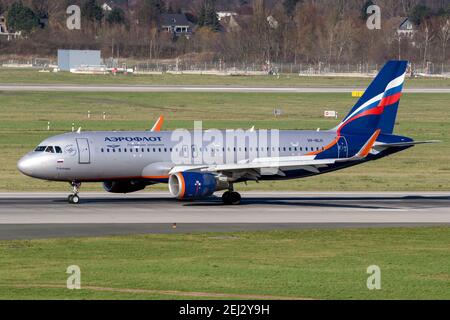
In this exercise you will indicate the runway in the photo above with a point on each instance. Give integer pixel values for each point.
(43, 215)
(205, 89)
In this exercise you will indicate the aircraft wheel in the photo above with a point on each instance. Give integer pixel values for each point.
(231, 198)
(74, 199)
(235, 198)
(226, 198)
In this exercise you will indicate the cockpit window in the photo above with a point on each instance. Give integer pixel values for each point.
(58, 149)
(50, 149)
(40, 149)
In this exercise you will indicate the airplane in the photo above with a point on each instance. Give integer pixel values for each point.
(128, 162)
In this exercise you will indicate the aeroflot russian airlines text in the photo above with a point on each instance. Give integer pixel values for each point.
(133, 139)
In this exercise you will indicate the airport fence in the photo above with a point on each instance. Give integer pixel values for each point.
(437, 69)
(28, 63)
(251, 68)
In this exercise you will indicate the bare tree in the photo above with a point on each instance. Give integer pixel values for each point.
(443, 34)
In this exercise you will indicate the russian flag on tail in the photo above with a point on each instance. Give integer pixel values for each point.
(377, 108)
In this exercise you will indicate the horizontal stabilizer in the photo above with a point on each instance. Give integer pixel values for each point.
(383, 146)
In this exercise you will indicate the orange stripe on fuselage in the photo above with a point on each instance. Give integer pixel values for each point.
(331, 145)
(156, 177)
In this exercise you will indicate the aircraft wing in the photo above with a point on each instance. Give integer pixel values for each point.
(256, 168)
(383, 146)
(272, 166)
(253, 170)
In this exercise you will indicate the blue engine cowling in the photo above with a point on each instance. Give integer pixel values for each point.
(193, 185)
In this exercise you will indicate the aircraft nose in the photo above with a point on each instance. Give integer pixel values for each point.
(25, 165)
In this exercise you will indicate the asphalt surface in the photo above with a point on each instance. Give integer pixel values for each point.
(236, 89)
(46, 215)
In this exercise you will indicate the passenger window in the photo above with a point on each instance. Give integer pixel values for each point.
(50, 149)
(103, 150)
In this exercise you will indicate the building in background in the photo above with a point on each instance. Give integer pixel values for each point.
(77, 59)
(3, 28)
(107, 6)
(176, 24)
(225, 14)
(406, 28)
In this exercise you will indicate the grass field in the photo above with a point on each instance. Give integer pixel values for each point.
(318, 264)
(32, 76)
(24, 116)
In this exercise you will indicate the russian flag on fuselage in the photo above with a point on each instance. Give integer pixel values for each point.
(377, 108)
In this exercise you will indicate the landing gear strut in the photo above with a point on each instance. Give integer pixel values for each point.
(231, 197)
(74, 198)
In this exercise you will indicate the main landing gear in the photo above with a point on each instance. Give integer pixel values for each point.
(74, 198)
(231, 197)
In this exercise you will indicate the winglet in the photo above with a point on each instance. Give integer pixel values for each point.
(158, 125)
(365, 150)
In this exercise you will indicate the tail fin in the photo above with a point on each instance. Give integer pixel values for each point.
(377, 108)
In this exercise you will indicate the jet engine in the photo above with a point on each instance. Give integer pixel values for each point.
(194, 185)
(123, 186)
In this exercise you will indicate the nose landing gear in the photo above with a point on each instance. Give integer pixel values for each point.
(74, 198)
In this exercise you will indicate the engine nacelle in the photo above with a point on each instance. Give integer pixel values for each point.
(123, 186)
(194, 185)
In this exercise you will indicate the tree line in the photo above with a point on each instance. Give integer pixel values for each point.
(290, 31)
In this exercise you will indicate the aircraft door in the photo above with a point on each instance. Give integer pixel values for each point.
(342, 148)
(84, 153)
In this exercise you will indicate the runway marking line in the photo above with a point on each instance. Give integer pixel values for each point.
(163, 292)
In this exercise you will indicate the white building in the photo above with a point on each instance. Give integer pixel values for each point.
(225, 14)
(3, 29)
(106, 7)
(406, 28)
(75, 59)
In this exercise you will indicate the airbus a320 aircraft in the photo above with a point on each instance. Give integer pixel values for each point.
(127, 162)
